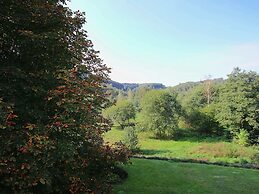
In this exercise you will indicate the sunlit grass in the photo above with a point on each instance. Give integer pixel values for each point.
(163, 177)
(211, 150)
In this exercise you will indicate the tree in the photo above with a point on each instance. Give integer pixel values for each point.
(201, 95)
(239, 103)
(202, 121)
(199, 107)
(139, 93)
(51, 87)
(160, 111)
(121, 113)
(121, 96)
(208, 89)
(130, 95)
(195, 98)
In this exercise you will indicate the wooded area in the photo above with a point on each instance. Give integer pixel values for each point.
(227, 108)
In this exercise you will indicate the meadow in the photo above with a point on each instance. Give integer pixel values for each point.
(159, 176)
(197, 148)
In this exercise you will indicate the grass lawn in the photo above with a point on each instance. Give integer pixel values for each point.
(164, 177)
(208, 149)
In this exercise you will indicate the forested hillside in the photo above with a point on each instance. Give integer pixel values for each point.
(185, 87)
(134, 86)
(219, 107)
(118, 90)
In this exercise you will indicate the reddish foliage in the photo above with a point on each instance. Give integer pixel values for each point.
(50, 116)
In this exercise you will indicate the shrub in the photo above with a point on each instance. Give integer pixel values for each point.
(242, 137)
(183, 124)
(118, 175)
(255, 158)
(131, 138)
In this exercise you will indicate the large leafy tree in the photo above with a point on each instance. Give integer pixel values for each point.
(199, 106)
(201, 95)
(51, 97)
(121, 113)
(160, 112)
(239, 103)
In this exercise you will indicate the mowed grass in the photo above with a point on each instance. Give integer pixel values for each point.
(164, 177)
(208, 149)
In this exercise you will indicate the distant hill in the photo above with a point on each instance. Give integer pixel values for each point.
(134, 86)
(116, 88)
(184, 87)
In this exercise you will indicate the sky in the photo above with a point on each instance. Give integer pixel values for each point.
(173, 41)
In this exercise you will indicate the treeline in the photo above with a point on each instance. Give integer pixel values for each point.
(134, 86)
(228, 108)
(118, 90)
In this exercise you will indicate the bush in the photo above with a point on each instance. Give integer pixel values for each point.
(255, 158)
(131, 139)
(118, 175)
(183, 124)
(242, 137)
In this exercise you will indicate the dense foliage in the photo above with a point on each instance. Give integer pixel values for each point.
(121, 113)
(238, 103)
(51, 89)
(199, 106)
(160, 111)
(211, 107)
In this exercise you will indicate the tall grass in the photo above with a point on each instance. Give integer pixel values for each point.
(197, 148)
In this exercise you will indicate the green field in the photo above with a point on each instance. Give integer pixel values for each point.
(163, 177)
(156, 176)
(206, 149)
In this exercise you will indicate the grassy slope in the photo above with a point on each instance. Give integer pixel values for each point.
(163, 177)
(206, 149)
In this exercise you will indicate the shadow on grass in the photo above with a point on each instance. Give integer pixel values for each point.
(117, 127)
(191, 136)
(202, 138)
(152, 152)
(198, 138)
(199, 161)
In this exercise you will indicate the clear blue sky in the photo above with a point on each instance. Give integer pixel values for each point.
(173, 41)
